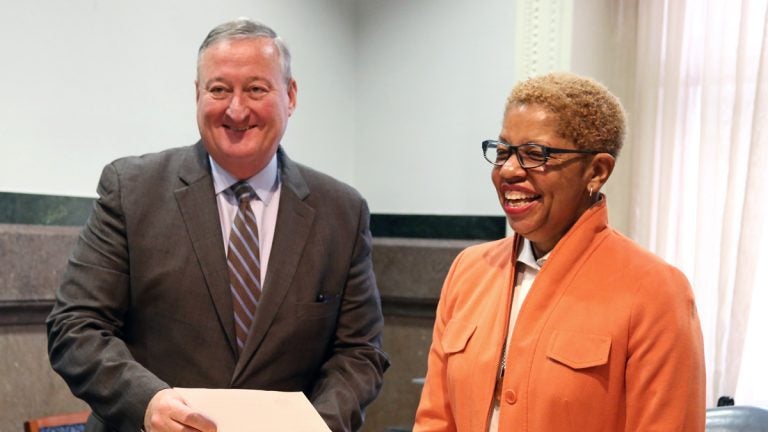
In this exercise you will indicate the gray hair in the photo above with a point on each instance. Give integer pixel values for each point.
(244, 28)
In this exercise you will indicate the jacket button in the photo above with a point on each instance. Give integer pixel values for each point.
(510, 397)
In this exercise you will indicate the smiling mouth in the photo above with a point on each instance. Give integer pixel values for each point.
(239, 129)
(518, 199)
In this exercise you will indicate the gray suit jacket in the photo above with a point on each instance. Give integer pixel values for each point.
(145, 302)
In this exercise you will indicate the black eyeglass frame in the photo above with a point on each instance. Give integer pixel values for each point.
(546, 152)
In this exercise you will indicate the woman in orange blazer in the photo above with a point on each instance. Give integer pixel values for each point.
(568, 325)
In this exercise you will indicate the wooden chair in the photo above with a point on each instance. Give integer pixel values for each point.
(71, 422)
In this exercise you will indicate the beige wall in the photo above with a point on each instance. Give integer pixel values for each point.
(588, 37)
(602, 47)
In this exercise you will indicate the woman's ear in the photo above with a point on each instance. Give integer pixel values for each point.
(601, 168)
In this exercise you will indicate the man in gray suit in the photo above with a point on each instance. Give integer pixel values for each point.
(147, 302)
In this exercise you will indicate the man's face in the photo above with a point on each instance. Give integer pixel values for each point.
(243, 103)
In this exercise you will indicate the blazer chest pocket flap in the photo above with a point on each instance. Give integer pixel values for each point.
(456, 336)
(318, 310)
(579, 350)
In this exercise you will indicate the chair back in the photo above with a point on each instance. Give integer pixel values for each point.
(737, 419)
(70, 422)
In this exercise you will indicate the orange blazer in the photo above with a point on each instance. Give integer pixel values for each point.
(607, 339)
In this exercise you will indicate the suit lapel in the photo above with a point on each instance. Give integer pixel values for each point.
(294, 221)
(197, 204)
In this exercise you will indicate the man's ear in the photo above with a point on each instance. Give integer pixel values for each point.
(197, 91)
(292, 90)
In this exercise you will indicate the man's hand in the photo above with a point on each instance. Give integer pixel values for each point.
(167, 411)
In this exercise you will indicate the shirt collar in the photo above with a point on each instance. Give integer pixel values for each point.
(264, 182)
(526, 256)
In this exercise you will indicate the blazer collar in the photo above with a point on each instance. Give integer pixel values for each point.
(564, 263)
(195, 166)
(290, 175)
(197, 203)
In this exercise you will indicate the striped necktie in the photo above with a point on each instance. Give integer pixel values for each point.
(243, 262)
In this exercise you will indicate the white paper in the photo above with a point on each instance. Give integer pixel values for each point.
(236, 410)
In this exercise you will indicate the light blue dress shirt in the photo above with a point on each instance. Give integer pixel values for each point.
(266, 183)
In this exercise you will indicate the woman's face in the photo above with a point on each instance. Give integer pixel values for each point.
(541, 203)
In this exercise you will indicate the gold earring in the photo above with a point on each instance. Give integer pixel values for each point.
(590, 191)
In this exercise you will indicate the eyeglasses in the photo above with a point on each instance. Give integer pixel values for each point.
(529, 155)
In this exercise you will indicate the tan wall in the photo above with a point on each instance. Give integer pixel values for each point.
(33, 260)
(29, 387)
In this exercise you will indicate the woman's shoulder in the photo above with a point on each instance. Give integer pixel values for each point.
(496, 249)
(620, 247)
(637, 263)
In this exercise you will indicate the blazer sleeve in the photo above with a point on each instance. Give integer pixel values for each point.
(665, 365)
(85, 328)
(434, 412)
(352, 375)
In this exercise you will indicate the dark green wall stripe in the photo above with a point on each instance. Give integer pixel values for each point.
(32, 209)
(438, 226)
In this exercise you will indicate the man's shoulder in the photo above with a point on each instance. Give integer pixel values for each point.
(317, 183)
(161, 158)
(317, 178)
(163, 170)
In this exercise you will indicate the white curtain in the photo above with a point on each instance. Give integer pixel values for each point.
(699, 156)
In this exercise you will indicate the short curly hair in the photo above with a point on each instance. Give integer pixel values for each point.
(588, 114)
